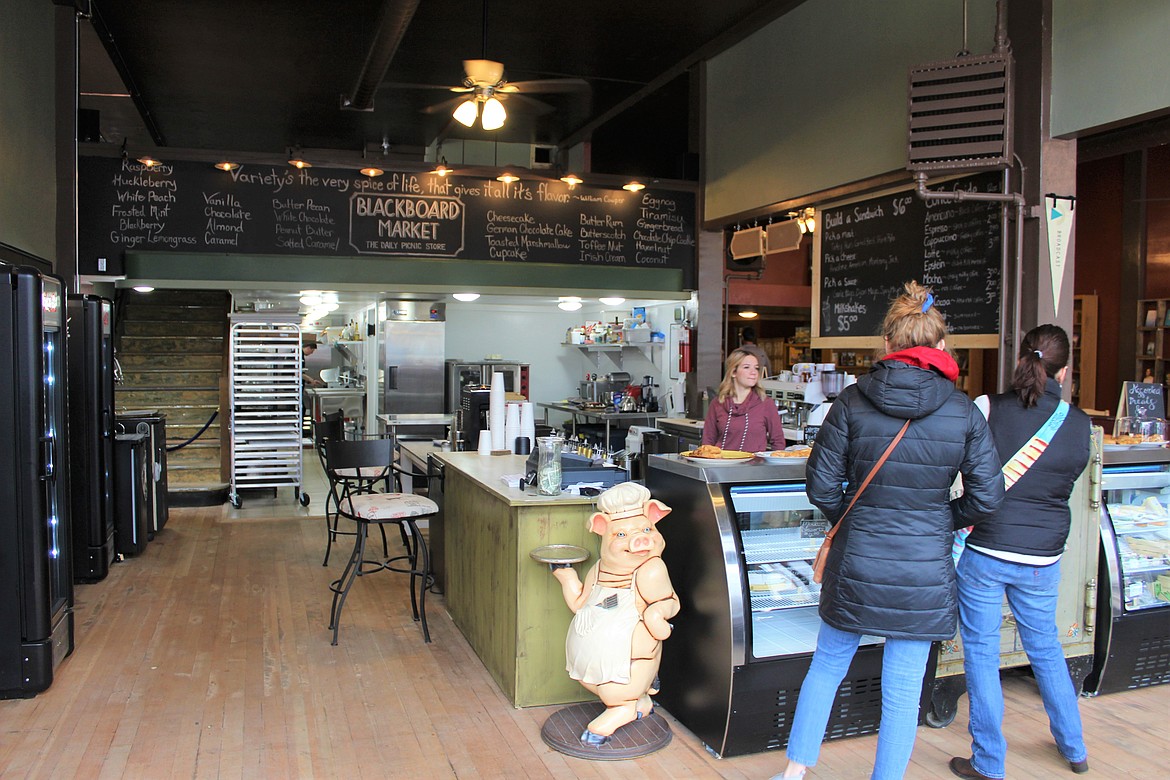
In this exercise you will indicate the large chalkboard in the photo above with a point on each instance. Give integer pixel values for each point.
(265, 209)
(868, 249)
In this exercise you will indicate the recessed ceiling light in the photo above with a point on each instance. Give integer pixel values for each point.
(612, 301)
(465, 297)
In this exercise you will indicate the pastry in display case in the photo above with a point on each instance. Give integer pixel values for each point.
(1133, 595)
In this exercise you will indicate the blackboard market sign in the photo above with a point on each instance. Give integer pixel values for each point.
(192, 207)
(870, 248)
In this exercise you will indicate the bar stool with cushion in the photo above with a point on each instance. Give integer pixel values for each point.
(372, 508)
(342, 481)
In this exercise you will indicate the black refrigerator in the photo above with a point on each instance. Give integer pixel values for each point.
(91, 435)
(36, 579)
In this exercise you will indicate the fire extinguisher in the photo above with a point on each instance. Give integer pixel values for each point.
(685, 351)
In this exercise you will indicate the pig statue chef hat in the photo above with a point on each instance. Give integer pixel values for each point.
(627, 499)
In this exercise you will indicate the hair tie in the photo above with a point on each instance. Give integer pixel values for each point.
(1039, 354)
(929, 302)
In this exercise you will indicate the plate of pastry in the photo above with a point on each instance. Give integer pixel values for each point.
(787, 455)
(710, 455)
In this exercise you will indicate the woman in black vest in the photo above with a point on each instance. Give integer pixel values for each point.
(1017, 552)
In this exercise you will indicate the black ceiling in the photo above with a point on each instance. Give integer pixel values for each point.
(262, 77)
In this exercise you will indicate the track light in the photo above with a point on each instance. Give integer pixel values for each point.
(805, 219)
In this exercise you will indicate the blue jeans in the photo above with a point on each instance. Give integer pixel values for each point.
(1031, 594)
(903, 666)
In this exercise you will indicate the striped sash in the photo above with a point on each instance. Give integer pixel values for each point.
(1018, 465)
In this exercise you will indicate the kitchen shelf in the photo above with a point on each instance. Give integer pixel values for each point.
(616, 351)
(1152, 344)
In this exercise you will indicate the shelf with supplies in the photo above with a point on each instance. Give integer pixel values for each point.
(616, 351)
(1084, 351)
(1153, 321)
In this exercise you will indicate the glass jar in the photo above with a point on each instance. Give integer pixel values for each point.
(548, 465)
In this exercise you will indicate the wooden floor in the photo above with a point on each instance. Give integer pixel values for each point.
(208, 656)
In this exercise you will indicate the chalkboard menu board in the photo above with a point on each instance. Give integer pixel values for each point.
(192, 207)
(870, 248)
(1144, 400)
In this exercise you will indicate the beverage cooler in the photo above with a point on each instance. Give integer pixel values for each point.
(1133, 593)
(36, 578)
(91, 435)
(740, 543)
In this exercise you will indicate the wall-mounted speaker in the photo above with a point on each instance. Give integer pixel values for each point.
(745, 250)
(784, 236)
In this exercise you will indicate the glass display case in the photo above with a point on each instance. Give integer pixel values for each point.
(740, 543)
(1133, 596)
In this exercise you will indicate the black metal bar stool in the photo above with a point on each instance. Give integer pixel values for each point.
(342, 481)
(370, 508)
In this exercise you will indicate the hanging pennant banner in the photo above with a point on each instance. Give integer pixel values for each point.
(1060, 224)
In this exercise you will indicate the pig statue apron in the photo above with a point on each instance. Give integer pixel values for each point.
(597, 649)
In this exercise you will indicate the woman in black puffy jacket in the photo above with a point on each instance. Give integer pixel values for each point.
(890, 572)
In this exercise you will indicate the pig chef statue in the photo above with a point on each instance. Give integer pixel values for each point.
(621, 611)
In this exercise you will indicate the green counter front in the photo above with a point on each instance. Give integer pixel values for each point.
(508, 606)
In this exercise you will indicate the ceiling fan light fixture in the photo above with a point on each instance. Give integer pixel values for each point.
(371, 171)
(572, 179)
(466, 112)
(493, 115)
(227, 165)
(634, 186)
(507, 177)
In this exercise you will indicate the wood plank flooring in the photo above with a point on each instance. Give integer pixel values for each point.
(209, 657)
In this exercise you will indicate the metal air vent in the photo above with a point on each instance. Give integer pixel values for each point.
(960, 114)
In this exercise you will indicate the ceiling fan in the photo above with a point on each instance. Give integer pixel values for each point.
(485, 89)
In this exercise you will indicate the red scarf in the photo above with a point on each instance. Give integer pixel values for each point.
(928, 358)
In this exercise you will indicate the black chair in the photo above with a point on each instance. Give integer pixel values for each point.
(332, 428)
(367, 508)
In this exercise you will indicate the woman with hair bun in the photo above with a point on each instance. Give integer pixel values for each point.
(889, 571)
(1016, 552)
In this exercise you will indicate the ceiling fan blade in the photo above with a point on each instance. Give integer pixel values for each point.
(527, 104)
(551, 85)
(413, 85)
(447, 106)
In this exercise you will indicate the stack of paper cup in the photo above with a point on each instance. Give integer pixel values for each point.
(485, 442)
(496, 412)
(511, 426)
(527, 422)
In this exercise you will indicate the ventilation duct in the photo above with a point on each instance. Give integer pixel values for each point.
(960, 114)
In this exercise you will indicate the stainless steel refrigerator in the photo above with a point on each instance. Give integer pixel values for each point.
(36, 578)
(410, 358)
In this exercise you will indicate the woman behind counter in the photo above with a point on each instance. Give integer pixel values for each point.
(742, 417)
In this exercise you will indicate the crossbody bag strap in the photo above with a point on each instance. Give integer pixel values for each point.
(1025, 456)
(869, 478)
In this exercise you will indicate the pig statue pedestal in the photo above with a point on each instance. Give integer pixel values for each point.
(621, 617)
